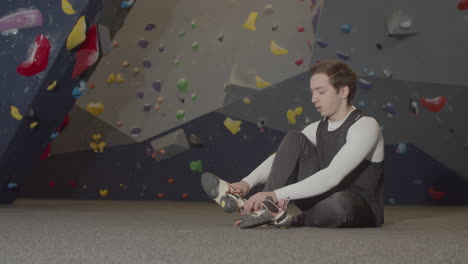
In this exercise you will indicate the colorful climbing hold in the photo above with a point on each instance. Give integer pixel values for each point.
(67, 8)
(150, 27)
(39, 58)
(136, 132)
(119, 78)
(146, 107)
(14, 111)
(260, 83)
(346, 28)
(194, 97)
(51, 184)
(462, 5)
(435, 104)
(143, 43)
(180, 114)
(21, 19)
(232, 125)
(183, 85)
(161, 48)
(196, 166)
(195, 46)
(12, 185)
(127, 3)
(136, 70)
(161, 195)
(436, 195)
(387, 72)
(96, 137)
(125, 64)
(95, 108)
(52, 86)
(115, 43)
(146, 63)
(413, 107)
(300, 28)
(342, 55)
(78, 34)
(321, 43)
(388, 107)
(291, 114)
(140, 94)
(246, 100)
(181, 33)
(160, 99)
(268, 9)
(364, 84)
(277, 50)
(275, 27)
(33, 124)
(111, 78)
(119, 123)
(402, 148)
(194, 24)
(250, 22)
(221, 37)
(79, 90)
(104, 192)
(299, 61)
(170, 180)
(361, 103)
(88, 53)
(195, 141)
(185, 195)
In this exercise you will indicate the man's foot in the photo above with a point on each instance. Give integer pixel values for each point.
(270, 213)
(221, 192)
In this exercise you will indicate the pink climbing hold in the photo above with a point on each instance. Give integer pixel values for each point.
(22, 19)
(39, 58)
(299, 61)
(88, 53)
(300, 28)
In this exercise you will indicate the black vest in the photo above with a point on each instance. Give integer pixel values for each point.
(367, 179)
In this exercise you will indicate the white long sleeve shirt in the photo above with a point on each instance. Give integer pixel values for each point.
(363, 141)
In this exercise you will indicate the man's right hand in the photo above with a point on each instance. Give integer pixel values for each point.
(241, 187)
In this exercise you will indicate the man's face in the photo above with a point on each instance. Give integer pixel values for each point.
(324, 97)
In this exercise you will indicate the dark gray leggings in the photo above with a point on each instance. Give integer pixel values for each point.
(295, 160)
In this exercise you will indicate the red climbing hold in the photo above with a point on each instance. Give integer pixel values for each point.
(161, 195)
(72, 183)
(39, 58)
(88, 53)
(463, 5)
(299, 61)
(435, 104)
(170, 180)
(436, 195)
(300, 28)
(185, 195)
(51, 184)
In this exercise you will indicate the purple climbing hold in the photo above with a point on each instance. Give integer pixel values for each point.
(364, 84)
(140, 94)
(147, 107)
(321, 43)
(147, 63)
(150, 27)
(342, 55)
(161, 48)
(136, 131)
(157, 85)
(143, 43)
(388, 107)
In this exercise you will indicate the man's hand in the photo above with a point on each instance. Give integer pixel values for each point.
(253, 204)
(242, 187)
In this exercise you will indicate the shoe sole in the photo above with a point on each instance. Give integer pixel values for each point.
(250, 221)
(216, 189)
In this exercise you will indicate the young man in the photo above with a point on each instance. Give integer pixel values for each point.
(332, 170)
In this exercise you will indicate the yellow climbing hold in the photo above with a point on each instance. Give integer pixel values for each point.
(277, 50)
(95, 108)
(78, 34)
(93, 146)
(67, 8)
(223, 203)
(33, 125)
(111, 78)
(291, 115)
(261, 83)
(97, 137)
(15, 113)
(120, 78)
(104, 192)
(246, 100)
(101, 146)
(232, 125)
(250, 22)
(52, 86)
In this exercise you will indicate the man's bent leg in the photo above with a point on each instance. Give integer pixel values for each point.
(295, 158)
(341, 209)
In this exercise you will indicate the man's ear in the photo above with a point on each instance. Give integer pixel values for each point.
(344, 91)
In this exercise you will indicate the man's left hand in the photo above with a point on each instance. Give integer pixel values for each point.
(253, 204)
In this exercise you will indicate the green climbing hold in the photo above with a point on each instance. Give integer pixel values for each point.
(182, 33)
(194, 24)
(196, 166)
(194, 97)
(180, 114)
(183, 85)
(195, 46)
(177, 62)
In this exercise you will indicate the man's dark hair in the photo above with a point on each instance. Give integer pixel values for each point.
(339, 74)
